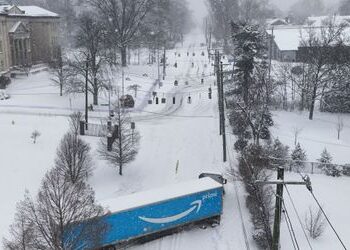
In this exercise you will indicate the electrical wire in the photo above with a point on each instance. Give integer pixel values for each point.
(328, 220)
(288, 223)
(296, 212)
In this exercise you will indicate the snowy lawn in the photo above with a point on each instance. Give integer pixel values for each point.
(315, 135)
(23, 164)
(333, 193)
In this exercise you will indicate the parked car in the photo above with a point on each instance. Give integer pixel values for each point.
(3, 95)
(4, 81)
(127, 101)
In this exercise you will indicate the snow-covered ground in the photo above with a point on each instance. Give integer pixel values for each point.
(23, 164)
(314, 135)
(331, 192)
(181, 133)
(186, 133)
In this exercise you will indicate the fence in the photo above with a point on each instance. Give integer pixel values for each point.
(318, 168)
(97, 130)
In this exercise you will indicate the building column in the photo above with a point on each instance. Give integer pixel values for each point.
(20, 51)
(16, 52)
(23, 52)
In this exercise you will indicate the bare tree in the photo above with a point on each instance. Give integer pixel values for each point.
(126, 141)
(88, 62)
(315, 223)
(59, 204)
(340, 125)
(296, 132)
(35, 135)
(135, 88)
(290, 76)
(326, 60)
(122, 18)
(22, 235)
(73, 158)
(61, 73)
(74, 122)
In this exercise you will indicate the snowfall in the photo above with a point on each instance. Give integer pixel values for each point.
(183, 134)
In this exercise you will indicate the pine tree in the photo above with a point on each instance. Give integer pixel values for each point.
(298, 157)
(326, 164)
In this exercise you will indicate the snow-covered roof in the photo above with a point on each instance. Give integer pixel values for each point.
(32, 11)
(276, 21)
(289, 37)
(161, 194)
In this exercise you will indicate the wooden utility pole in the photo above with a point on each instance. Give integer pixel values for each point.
(278, 210)
(279, 200)
(218, 80)
(222, 111)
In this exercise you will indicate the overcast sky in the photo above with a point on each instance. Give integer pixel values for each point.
(199, 7)
(285, 4)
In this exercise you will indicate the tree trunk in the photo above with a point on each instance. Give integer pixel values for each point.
(120, 169)
(61, 89)
(123, 55)
(312, 104)
(246, 90)
(95, 96)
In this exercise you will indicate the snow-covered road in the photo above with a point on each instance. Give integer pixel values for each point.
(182, 133)
(187, 134)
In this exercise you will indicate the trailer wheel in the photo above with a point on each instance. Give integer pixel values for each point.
(215, 224)
(203, 226)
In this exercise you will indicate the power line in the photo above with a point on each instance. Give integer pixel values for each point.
(329, 222)
(290, 227)
(296, 212)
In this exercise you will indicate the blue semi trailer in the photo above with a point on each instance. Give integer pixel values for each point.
(147, 215)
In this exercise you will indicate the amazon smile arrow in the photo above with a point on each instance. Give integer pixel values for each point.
(196, 204)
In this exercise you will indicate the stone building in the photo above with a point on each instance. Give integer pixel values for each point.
(28, 36)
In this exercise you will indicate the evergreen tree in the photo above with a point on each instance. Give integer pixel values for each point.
(326, 164)
(251, 91)
(249, 47)
(298, 157)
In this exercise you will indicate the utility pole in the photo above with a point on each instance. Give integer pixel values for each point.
(278, 210)
(86, 91)
(218, 80)
(164, 65)
(270, 55)
(222, 105)
(220, 85)
(279, 200)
